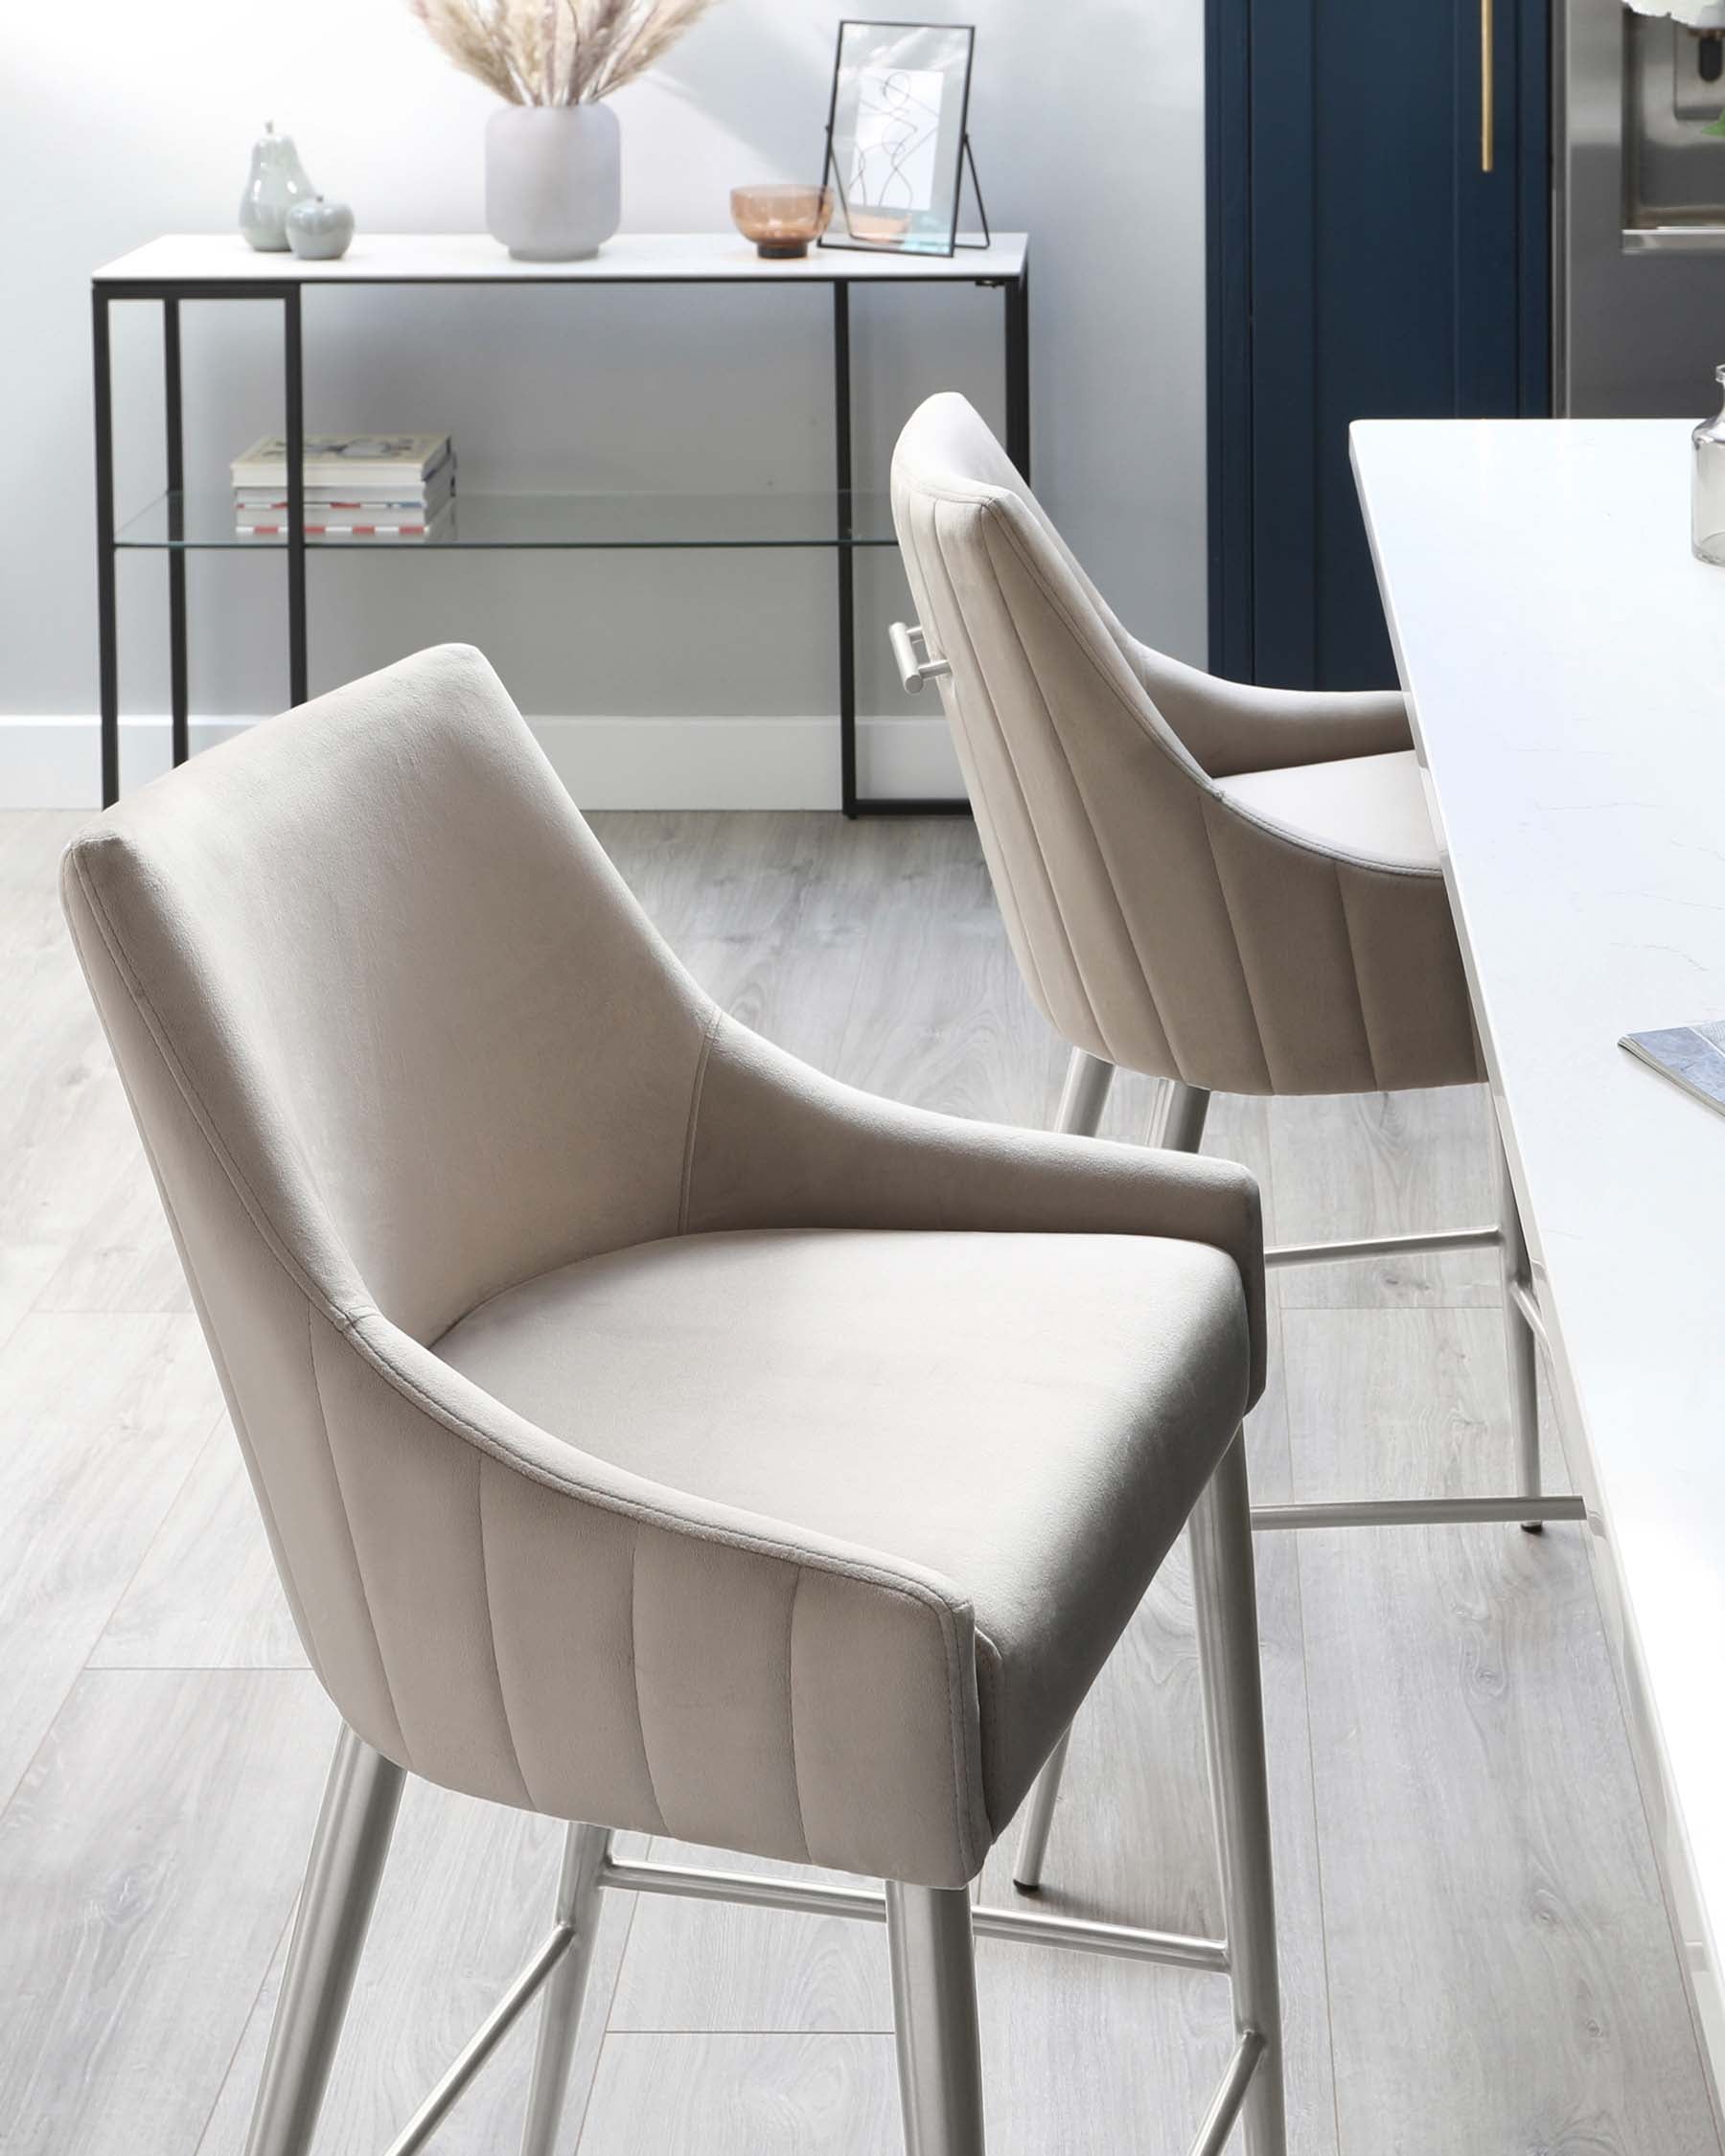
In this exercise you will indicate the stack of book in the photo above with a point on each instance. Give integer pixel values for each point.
(358, 486)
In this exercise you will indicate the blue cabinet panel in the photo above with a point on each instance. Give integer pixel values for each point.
(1362, 264)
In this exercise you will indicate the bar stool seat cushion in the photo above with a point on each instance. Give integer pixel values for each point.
(1031, 1417)
(1370, 808)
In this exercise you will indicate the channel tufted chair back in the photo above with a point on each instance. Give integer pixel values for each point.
(1160, 923)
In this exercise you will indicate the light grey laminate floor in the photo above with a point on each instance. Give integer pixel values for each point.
(1476, 1958)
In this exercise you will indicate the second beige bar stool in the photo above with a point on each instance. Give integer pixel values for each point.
(1237, 889)
(651, 1431)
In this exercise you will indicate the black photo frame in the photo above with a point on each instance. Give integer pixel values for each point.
(898, 138)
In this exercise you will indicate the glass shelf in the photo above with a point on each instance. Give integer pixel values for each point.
(763, 519)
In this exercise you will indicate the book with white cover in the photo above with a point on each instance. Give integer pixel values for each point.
(1690, 1056)
(356, 463)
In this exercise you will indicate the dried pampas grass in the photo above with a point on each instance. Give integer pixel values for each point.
(556, 52)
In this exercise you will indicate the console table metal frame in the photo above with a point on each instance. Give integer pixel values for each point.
(285, 292)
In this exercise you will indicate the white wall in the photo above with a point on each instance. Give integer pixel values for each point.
(118, 121)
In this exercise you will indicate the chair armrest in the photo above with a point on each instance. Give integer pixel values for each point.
(1233, 726)
(773, 1143)
(556, 1631)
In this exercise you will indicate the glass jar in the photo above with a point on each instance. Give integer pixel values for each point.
(1707, 488)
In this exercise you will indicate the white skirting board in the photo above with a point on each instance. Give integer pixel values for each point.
(54, 763)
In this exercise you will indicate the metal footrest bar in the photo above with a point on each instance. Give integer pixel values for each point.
(1523, 1298)
(1384, 1246)
(480, 2046)
(1125, 1941)
(743, 1887)
(1080, 1934)
(1219, 2118)
(1418, 1512)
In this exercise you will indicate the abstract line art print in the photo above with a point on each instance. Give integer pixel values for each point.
(898, 130)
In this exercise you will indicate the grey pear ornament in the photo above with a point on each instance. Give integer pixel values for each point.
(276, 183)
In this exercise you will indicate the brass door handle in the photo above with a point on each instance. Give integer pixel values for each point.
(1487, 86)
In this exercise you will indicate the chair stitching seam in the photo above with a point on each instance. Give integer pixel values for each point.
(1359, 986)
(323, 1423)
(996, 1680)
(634, 1678)
(970, 1801)
(696, 1088)
(1227, 907)
(491, 1634)
(802, 1817)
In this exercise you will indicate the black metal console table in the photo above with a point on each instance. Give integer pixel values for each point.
(222, 267)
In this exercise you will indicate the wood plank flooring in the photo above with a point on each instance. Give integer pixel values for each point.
(1475, 1957)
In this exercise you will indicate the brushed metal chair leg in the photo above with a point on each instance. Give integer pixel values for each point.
(1039, 1817)
(1185, 1111)
(1084, 1095)
(1522, 1348)
(1180, 1128)
(1225, 1601)
(584, 1851)
(934, 2019)
(348, 1851)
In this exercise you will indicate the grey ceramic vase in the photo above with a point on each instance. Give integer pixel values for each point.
(553, 185)
(277, 182)
(319, 231)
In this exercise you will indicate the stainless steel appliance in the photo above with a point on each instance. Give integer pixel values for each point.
(1640, 186)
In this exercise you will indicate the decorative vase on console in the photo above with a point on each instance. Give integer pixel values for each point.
(553, 189)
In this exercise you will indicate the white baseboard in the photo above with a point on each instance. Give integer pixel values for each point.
(54, 763)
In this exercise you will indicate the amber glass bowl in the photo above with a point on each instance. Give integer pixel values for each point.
(781, 219)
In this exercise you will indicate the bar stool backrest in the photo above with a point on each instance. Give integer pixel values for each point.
(1158, 923)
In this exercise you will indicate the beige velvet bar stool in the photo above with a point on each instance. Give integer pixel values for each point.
(650, 1432)
(1235, 889)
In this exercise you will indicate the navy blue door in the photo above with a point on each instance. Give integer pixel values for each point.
(1364, 263)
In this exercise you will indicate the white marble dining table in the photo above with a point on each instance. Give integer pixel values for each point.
(1563, 656)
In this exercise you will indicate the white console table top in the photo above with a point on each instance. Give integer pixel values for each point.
(435, 258)
(1564, 657)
